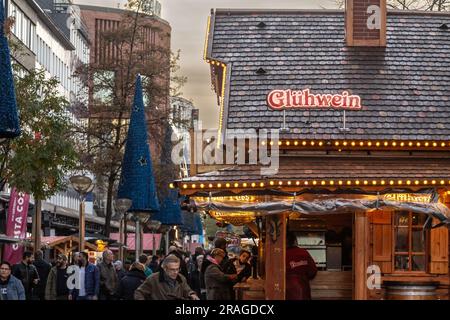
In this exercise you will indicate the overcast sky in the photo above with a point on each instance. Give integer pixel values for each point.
(188, 21)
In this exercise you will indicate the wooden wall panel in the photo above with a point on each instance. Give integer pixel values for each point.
(275, 266)
(439, 250)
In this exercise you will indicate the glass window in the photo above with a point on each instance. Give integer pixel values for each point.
(409, 241)
(23, 28)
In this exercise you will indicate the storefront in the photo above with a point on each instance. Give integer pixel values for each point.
(363, 173)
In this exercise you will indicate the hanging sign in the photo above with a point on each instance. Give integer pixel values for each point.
(292, 99)
(408, 197)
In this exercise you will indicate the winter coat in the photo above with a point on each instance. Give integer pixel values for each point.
(300, 269)
(27, 274)
(154, 266)
(194, 281)
(43, 269)
(227, 266)
(91, 282)
(130, 283)
(15, 289)
(120, 274)
(109, 281)
(217, 283)
(155, 287)
(51, 287)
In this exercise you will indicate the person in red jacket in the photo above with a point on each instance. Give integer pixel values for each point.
(300, 269)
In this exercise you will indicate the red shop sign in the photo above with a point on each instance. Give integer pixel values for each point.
(287, 99)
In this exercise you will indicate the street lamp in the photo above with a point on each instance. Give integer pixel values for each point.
(153, 225)
(165, 229)
(141, 217)
(122, 205)
(83, 185)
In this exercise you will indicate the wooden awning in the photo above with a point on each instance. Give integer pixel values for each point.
(296, 173)
(64, 244)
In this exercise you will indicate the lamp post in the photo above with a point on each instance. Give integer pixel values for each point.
(153, 225)
(165, 229)
(140, 217)
(83, 185)
(122, 205)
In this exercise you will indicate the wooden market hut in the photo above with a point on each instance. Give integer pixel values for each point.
(65, 245)
(361, 112)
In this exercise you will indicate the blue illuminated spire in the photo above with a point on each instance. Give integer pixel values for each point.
(137, 181)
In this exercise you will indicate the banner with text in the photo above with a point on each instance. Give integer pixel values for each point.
(16, 225)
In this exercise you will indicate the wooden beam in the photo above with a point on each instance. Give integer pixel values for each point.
(253, 227)
(361, 230)
(193, 165)
(349, 22)
(275, 280)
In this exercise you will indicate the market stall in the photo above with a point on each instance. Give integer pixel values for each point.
(345, 143)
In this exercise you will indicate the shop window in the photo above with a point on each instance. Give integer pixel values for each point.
(410, 241)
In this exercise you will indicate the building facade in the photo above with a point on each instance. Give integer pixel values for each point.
(53, 37)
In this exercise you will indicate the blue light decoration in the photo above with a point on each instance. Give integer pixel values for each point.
(170, 213)
(137, 181)
(9, 119)
(188, 226)
(192, 223)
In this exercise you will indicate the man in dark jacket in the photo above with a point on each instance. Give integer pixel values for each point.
(195, 281)
(56, 288)
(27, 273)
(109, 281)
(300, 269)
(154, 264)
(133, 280)
(216, 281)
(43, 269)
(168, 284)
(227, 266)
(89, 280)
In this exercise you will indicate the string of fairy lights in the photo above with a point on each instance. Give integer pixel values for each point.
(359, 143)
(309, 183)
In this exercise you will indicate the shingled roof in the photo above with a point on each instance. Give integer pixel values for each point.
(334, 168)
(405, 87)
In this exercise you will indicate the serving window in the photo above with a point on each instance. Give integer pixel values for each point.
(401, 244)
(410, 241)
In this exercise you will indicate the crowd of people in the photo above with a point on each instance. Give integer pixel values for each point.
(204, 275)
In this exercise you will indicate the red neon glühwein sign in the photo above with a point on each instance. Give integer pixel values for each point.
(287, 99)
